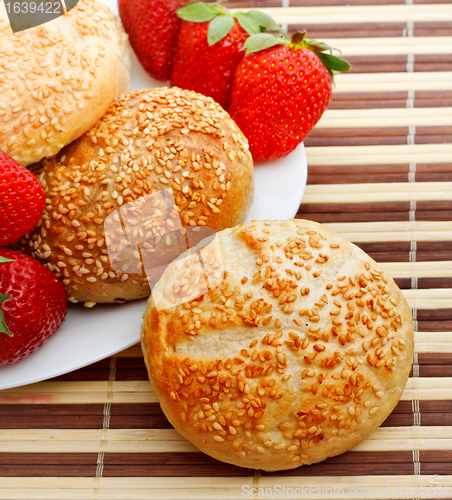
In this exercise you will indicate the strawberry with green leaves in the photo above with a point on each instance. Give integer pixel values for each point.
(281, 89)
(210, 48)
(22, 200)
(33, 305)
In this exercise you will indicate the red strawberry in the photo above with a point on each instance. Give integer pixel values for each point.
(33, 305)
(210, 48)
(281, 89)
(153, 28)
(22, 200)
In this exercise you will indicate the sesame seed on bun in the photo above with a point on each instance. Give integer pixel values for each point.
(297, 353)
(149, 141)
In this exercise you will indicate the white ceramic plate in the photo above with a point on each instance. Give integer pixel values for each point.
(89, 335)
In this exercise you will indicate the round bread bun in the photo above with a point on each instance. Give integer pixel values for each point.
(149, 143)
(59, 78)
(299, 352)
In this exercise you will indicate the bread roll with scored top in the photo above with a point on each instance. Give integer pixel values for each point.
(59, 78)
(147, 142)
(300, 353)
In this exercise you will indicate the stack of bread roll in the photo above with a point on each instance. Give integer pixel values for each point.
(96, 155)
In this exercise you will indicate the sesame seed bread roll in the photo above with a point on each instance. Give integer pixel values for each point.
(300, 353)
(147, 142)
(58, 79)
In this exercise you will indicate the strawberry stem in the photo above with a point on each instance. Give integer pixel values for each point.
(297, 38)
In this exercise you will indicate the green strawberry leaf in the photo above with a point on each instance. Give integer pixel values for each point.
(262, 41)
(247, 23)
(4, 297)
(219, 27)
(200, 12)
(3, 326)
(263, 20)
(333, 63)
(316, 46)
(4, 260)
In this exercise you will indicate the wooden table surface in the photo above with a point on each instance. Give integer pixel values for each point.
(380, 173)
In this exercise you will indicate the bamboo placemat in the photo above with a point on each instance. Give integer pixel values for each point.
(380, 173)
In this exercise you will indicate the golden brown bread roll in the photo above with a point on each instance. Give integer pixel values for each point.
(59, 78)
(300, 353)
(148, 141)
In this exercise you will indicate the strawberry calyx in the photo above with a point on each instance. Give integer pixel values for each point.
(221, 20)
(261, 41)
(332, 63)
(3, 326)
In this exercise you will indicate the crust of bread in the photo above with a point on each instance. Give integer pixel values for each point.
(147, 142)
(60, 78)
(300, 353)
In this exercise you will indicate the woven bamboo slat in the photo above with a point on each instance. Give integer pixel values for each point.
(395, 231)
(392, 82)
(132, 352)
(371, 155)
(376, 192)
(124, 488)
(169, 441)
(370, 46)
(402, 117)
(360, 14)
(434, 342)
(170, 435)
(426, 342)
(430, 388)
(207, 488)
(439, 269)
(391, 46)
